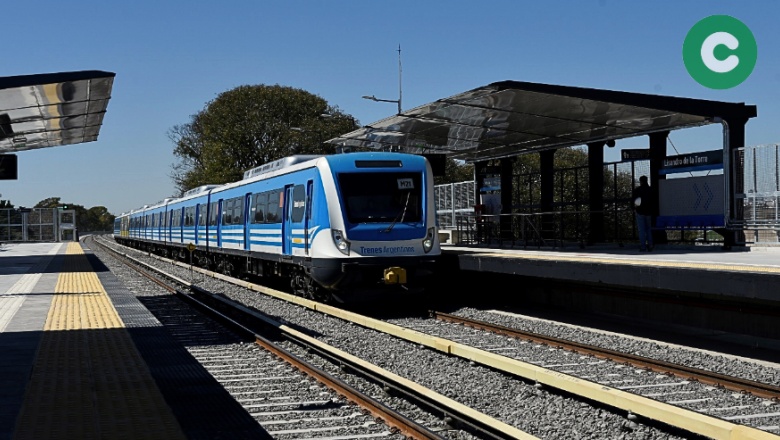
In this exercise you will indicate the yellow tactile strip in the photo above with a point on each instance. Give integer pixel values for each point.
(89, 381)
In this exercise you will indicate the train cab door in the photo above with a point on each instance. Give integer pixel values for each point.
(247, 212)
(196, 227)
(169, 230)
(287, 227)
(218, 226)
(307, 215)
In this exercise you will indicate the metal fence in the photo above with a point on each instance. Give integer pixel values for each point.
(452, 200)
(569, 221)
(38, 224)
(757, 203)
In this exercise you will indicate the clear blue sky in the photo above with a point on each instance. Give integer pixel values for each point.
(172, 57)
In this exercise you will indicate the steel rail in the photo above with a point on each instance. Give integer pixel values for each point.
(395, 420)
(454, 414)
(703, 376)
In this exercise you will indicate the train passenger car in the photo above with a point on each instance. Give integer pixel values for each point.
(338, 226)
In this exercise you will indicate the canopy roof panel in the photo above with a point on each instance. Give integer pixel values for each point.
(51, 109)
(509, 118)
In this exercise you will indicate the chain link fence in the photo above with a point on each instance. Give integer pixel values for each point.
(756, 205)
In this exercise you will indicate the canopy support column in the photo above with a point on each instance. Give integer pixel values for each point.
(596, 191)
(547, 168)
(657, 156)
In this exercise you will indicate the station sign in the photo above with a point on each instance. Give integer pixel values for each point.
(691, 202)
(635, 154)
(491, 183)
(702, 161)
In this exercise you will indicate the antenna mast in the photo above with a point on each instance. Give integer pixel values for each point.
(399, 79)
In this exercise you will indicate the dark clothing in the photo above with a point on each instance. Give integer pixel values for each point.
(646, 205)
(644, 212)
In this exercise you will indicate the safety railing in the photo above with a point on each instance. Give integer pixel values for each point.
(565, 229)
(554, 229)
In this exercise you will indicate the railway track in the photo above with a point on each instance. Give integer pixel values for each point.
(740, 385)
(667, 412)
(258, 389)
(686, 397)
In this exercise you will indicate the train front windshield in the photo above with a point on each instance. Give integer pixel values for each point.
(382, 197)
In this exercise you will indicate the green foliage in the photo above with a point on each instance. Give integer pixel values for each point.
(568, 182)
(6, 204)
(95, 219)
(571, 194)
(455, 172)
(249, 126)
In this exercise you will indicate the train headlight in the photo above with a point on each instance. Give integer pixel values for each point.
(341, 243)
(428, 242)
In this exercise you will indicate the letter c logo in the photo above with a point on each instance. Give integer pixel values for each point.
(720, 52)
(708, 52)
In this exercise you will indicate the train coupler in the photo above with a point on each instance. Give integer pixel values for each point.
(395, 275)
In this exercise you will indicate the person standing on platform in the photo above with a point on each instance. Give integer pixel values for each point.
(643, 207)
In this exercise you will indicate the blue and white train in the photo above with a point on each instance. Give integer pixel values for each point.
(340, 226)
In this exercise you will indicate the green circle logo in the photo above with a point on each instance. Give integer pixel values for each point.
(720, 52)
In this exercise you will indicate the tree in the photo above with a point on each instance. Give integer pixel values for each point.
(96, 218)
(455, 171)
(251, 125)
(51, 202)
(93, 219)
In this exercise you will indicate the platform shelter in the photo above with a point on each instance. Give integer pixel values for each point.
(492, 124)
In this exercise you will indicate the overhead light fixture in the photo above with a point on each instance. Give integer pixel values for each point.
(611, 143)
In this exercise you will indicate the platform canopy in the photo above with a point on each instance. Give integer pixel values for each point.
(510, 118)
(51, 109)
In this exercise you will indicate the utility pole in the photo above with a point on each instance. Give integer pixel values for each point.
(399, 79)
(400, 93)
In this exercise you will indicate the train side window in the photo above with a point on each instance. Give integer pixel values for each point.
(202, 214)
(259, 202)
(213, 214)
(189, 216)
(233, 211)
(275, 205)
(298, 203)
(309, 195)
(176, 218)
(226, 206)
(238, 211)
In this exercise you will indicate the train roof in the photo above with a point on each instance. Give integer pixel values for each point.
(198, 190)
(295, 163)
(375, 159)
(283, 167)
(278, 164)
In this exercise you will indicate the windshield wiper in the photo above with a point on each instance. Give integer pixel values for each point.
(401, 215)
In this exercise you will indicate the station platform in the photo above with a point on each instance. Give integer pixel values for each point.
(83, 359)
(702, 286)
(746, 273)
